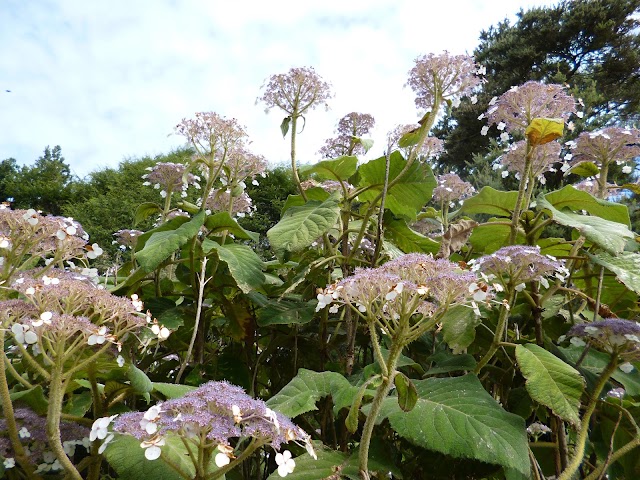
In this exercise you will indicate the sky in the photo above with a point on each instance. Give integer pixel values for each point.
(109, 80)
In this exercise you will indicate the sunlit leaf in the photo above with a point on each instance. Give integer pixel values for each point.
(626, 266)
(244, 264)
(339, 169)
(544, 130)
(491, 202)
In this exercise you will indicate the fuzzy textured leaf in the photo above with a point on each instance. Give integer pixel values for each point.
(162, 244)
(491, 202)
(407, 197)
(611, 236)
(172, 390)
(577, 200)
(625, 265)
(459, 327)
(551, 382)
(306, 388)
(301, 226)
(338, 169)
(222, 221)
(244, 264)
(457, 417)
(408, 240)
(145, 210)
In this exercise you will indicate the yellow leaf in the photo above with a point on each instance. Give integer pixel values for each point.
(544, 130)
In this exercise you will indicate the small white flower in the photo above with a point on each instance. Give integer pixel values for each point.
(504, 136)
(626, 169)
(94, 252)
(285, 463)
(504, 174)
(222, 460)
(100, 428)
(500, 126)
(105, 442)
(626, 367)
(24, 433)
(481, 116)
(577, 342)
(9, 463)
(120, 361)
(474, 99)
(237, 414)
(579, 114)
(484, 130)
(152, 449)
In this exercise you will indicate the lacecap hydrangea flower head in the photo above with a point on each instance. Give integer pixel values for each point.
(612, 335)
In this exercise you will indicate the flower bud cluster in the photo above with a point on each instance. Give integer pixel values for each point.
(443, 76)
(607, 145)
(353, 125)
(451, 188)
(412, 284)
(611, 335)
(210, 133)
(170, 177)
(223, 200)
(127, 238)
(297, 91)
(514, 110)
(515, 265)
(212, 416)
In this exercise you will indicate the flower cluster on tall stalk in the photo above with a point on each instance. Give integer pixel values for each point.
(451, 189)
(217, 422)
(515, 112)
(605, 147)
(402, 299)
(349, 131)
(296, 92)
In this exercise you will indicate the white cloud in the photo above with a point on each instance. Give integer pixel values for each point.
(109, 80)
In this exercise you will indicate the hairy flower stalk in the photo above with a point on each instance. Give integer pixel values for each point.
(621, 340)
(513, 112)
(603, 148)
(61, 325)
(217, 416)
(295, 92)
(403, 299)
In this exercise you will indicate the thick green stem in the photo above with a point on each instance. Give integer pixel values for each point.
(376, 405)
(294, 164)
(499, 333)
(56, 398)
(12, 428)
(583, 431)
(524, 186)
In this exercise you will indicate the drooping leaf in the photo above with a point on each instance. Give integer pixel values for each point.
(339, 169)
(351, 422)
(611, 236)
(222, 221)
(172, 390)
(366, 143)
(244, 264)
(584, 169)
(625, 265)
(551, 382)
(407, 197)
(145, 210)
(459, 327)
(307, 387)
(139, 380)
(285, 312)
(456, 237)
(127, 459)
(314, 193)
(301, 226)
(406, 392)
(544, 130)
(577, 200)
(457, 417)
(284, 126)
(491, 202)
(406, 239)
(162, 244)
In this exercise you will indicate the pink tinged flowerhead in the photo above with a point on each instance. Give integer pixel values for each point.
(543, 157)
(210, 132)
(451, 188)
(514, 110)
(443, 76)
(296, 92)
(611, 335)
(607, 145)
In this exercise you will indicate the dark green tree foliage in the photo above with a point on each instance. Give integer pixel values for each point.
(592, 45)
(106, 201)
(8, 170)
(46, 185)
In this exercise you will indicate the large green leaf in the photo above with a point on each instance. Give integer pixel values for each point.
(339, 169)
(315, 193)
(222, 221)
(457, 417)
(491, 236)
(307, 387)
(491, 202)
(286, 312)
(407, 197)
(576, 200)
(406, 239)
(459, 327)
(172, 390)
(625, 265)
(162, 244)
(301, 226)
(145, 210)
(332, 464)
(244, 264)
(551, 382)
(611, 236)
